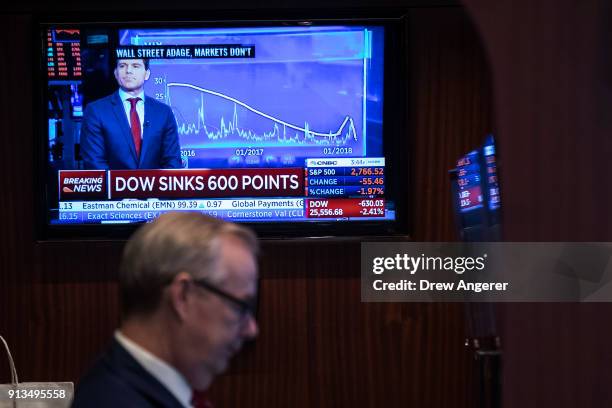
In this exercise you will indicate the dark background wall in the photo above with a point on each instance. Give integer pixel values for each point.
(319, 345)
(552, 74)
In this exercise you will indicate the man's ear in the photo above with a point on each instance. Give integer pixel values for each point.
(178, 294)
(147, 74)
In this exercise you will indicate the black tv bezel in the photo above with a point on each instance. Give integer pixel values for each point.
(396, 140)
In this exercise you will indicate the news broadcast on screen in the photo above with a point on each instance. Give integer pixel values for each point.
(256, 124)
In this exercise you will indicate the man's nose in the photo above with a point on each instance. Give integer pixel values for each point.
(250, 329)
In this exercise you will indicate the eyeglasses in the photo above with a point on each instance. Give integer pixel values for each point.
(245, 307)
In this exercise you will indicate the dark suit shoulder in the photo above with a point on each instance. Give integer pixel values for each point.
(157, 105)
(117, 380)
(103, 386)
(103, 102)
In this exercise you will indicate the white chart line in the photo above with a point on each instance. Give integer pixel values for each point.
(289, 125)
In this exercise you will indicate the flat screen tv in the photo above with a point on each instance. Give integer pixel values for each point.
(296, 128)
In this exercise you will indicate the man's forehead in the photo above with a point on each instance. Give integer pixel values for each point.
(238, 259)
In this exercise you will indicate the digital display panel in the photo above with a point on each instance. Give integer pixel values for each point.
(492, 177)
(468, 181)
(63, 52)
(476, 196)
(262, 124)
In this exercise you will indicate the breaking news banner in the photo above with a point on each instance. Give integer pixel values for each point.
(180, 183)
(486, 272)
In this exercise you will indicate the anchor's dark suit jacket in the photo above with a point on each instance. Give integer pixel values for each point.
(117, 380)
(106, 137)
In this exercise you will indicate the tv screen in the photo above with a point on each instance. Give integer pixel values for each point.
(282, 126)
(475, 192)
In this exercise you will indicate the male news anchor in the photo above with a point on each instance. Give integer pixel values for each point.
(187, 284)
(128, 130)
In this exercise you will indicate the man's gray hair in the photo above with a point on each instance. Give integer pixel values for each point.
(173, 243)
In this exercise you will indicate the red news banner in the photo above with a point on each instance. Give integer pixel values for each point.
(180, 183)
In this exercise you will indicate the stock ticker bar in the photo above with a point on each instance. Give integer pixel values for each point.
(329, 189)
(263, 209)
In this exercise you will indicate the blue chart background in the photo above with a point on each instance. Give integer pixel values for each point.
(321, 80)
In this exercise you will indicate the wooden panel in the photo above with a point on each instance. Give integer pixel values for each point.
(273, 371)
(552, 66)
(229, 9)
(373, 354)
(451, 110)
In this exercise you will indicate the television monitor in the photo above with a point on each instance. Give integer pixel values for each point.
(293, 127)
(475, 192)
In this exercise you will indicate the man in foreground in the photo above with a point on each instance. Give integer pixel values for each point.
(188, 287)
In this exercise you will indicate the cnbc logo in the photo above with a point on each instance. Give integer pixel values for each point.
(82, 184)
